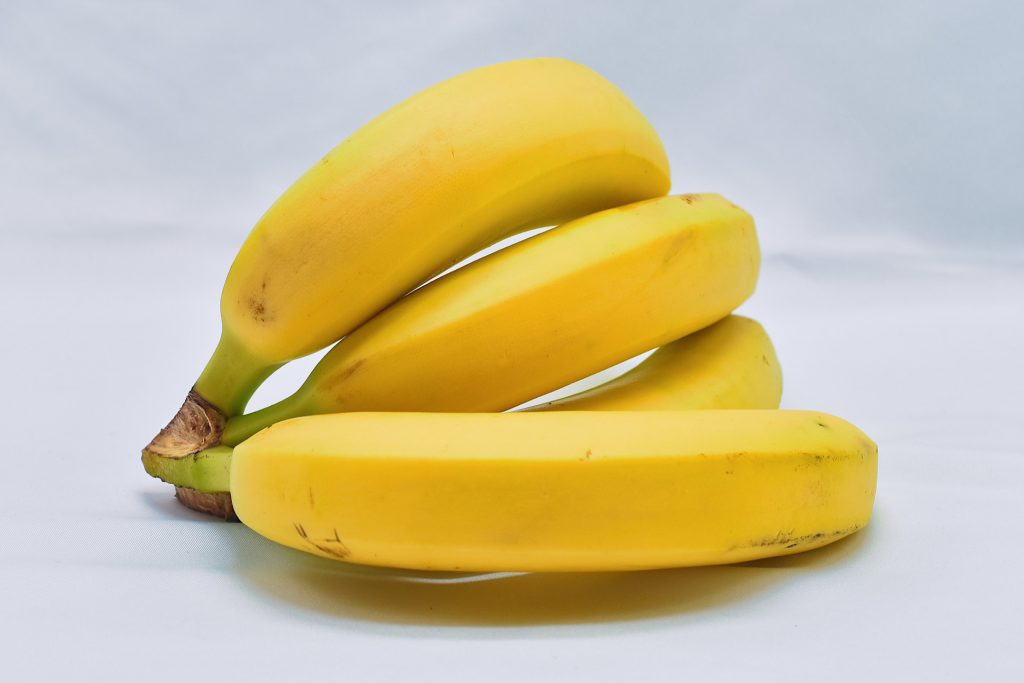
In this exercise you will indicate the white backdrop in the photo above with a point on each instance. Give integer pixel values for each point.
(877, 144)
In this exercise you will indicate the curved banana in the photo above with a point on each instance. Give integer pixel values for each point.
(538, 315)
(530, 318)
(569, 491)
(731, 364)
(453, 169)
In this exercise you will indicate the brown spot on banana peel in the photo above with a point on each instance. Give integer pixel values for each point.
(257, 304)
(258, 310)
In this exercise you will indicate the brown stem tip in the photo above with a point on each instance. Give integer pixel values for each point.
(198, 425)
(216, 504)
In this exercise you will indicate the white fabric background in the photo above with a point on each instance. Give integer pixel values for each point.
(878, 144)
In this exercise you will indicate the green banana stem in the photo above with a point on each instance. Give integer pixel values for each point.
(194, 451)
(241, 427)
(202, 477)
(223, 389)
(202, 480)
(232, 376)
(187, 451)
(207, 471)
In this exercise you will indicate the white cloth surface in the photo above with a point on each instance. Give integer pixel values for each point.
(878, 145)
(105, 574)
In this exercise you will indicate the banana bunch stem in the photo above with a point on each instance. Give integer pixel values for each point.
(402, 447)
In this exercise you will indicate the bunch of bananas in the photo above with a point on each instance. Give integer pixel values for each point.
(396, 452)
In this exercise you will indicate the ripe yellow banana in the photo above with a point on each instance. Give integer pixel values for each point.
(556, 491)
(538, 315)
(455, 168)
(731, 364)
(532, 318)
